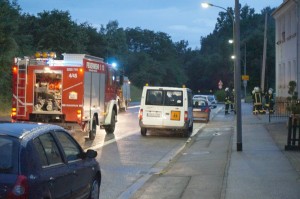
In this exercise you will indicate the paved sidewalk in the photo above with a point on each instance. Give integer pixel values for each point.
(211, 168)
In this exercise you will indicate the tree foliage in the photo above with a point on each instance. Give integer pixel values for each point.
(9, 13)
(144, 55)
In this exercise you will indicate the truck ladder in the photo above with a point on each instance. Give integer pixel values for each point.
(21, 87)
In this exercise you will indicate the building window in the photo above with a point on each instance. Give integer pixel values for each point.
(283, 36)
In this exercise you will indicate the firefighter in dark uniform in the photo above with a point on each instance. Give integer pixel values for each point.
(257, 101)
(232, 104)
(269, 105)
(227, 100)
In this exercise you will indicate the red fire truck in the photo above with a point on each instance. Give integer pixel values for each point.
(80, 89)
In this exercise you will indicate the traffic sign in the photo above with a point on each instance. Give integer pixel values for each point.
(220, 84)
(245, 77)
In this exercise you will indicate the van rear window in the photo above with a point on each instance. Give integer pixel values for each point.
(164, 97)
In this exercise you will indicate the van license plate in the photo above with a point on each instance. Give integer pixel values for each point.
(153, 114)
(175, 115)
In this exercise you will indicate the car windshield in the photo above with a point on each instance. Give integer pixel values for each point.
(8, 155)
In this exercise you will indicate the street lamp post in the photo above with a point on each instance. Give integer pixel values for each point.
(237, 67)
(237, 72)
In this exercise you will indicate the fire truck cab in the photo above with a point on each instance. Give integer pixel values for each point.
(124, 98)
(80, 89)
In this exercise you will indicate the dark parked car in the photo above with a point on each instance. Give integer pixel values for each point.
(45, 161)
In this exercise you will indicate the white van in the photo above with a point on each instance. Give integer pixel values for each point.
(166, 108)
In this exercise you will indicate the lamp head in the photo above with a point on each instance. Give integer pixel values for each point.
(206, 5)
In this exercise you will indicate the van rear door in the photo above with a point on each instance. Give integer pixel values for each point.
(173, 108)
(154, 109)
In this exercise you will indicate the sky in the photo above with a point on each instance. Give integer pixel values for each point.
(180, 19)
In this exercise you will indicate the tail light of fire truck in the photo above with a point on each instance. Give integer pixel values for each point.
(14, 69)
(13, 113)
(79, 115)
(141, 114)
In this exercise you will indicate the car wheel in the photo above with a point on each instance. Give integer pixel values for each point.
(95, 190)
(111, 128)
(92, 132)
(143, 131)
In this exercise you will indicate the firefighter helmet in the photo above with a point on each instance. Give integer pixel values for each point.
(256, 89)
(270, 91)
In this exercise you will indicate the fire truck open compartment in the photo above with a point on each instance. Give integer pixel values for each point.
(47, 95)
(47, 92)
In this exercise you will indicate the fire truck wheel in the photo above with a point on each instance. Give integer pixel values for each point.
(92, 133)
(111, 128)
(143, 131)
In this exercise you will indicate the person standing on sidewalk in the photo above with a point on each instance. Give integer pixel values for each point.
(269, 101)
(257, 102)
(232, 102)
(227, 100)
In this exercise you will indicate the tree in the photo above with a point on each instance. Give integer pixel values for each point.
(58, 33)
(9, 15)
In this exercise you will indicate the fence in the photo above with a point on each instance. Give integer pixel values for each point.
(293, 139)
(280, 111)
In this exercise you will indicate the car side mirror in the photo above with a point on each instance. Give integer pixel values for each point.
(91, 153)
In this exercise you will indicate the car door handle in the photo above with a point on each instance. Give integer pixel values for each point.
(51, 181)
(75, 172)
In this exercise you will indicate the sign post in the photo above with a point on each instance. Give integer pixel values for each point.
(245, 79)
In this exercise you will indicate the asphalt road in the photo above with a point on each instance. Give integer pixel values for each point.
(128, 159)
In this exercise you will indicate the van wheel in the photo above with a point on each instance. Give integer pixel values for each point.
(143, 131)
(111, 128)
(92, 132)
(188, 132)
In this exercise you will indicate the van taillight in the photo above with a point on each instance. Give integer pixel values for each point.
(141, 114)
(20, 189)
(186, 116)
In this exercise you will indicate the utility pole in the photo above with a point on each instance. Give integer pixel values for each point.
(263, 70)
(237, 79)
